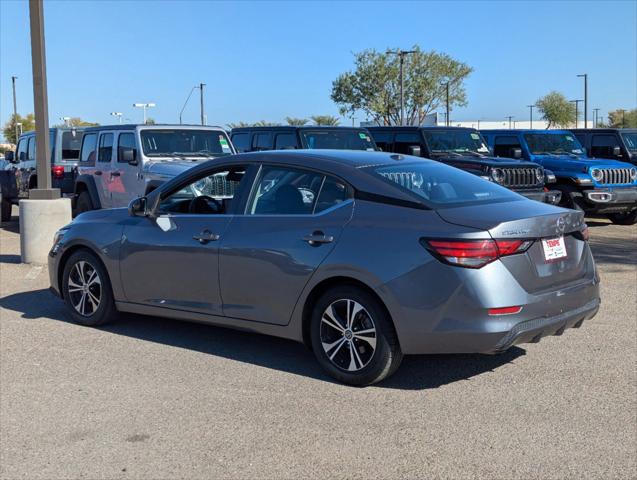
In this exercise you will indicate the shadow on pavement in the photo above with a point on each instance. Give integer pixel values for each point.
(9, 258)
(619, 251)
(416, 372)
(11, 226)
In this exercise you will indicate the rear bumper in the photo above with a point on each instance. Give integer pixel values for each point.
(551, 197)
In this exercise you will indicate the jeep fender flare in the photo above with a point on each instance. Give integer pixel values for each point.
(87, 182)
(153, 185)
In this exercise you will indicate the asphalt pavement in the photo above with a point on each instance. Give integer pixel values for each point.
(150, 398)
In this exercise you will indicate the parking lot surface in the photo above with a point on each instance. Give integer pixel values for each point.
(154, 398)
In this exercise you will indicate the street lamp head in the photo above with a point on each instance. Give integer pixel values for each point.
(139, 105)
(117, 114)
(150, 104)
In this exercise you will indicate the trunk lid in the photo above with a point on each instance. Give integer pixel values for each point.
(535, 221)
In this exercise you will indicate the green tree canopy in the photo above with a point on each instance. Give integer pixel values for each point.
(374, 85)
(623, 118)
(325, 120)
(556, 110)
(296, 121)
(28, 124)
(238, 125)
(264, 123)
(77, 122)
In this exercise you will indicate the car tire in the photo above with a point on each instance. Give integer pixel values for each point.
(571, 198)
(354, 358)
(84, 203)
(87, 291)
(626, 218)
(5, 208)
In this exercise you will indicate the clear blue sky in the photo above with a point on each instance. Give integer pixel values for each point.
(267, 60)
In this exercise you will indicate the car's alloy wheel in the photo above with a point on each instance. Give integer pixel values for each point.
(85, 288)
(348, 335)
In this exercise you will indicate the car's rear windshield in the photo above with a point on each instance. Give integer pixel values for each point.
(630, 139)
(553, 144)
(71, 143)
(337, 139)
(186, 142)
(440, 186)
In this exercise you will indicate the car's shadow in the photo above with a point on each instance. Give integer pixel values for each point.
(416, 372)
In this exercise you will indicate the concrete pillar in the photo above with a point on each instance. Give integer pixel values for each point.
(39, 220)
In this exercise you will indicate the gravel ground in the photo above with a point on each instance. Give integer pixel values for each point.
(154, 398)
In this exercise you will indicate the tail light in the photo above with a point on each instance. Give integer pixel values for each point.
(57, 171)
(474, 253)
(505, 311)
(582, 234)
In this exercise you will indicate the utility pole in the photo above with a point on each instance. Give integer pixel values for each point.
(531, 116)
(447, 102)
(510, 117)
(596, 117)
(576, 102)
(585, 76)
(201, 85)
(15, 109)
(401, 56)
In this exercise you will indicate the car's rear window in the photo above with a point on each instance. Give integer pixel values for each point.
(71, 143)
(439, 186)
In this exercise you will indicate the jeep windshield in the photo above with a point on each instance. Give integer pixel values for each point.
(630, 140)
(463, 142)
(553, 144)
(184, 143)
(339, 139)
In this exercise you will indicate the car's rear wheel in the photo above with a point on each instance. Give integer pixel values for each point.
(87, 290)
(5, 208)
(626, 218)
(353, 336)
(84, 203)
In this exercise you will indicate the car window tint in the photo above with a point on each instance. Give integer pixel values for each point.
(332, 193)
(22, 149)
(241, 141)
(602, 145)
(504, 145)
(262, 141)
(383, 140)
(403, 141)
(210, 194)
(126, 141)
(106, 148)
(71, 143)
(285, 191)
(87, 154)
(285, 141)
(31, 149)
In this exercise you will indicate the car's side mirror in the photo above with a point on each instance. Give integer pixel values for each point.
(128, 156)
(414, 150)
(617, 152)
(516, 153)
(137, 207)
(9, 156)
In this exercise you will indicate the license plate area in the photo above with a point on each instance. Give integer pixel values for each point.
(554, 249)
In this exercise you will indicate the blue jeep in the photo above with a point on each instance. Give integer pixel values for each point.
(595, 186)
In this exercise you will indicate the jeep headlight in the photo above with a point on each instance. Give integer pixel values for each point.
(497, 174)
(597, 174)
(539, 174)
(633, 174)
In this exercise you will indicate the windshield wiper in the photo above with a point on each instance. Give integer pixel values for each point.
(447, 152)
(473, 154)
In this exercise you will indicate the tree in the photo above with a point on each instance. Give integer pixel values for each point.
(374, 85)
(296, 121)
(28, 124)
(325, 120)
(150, 121)
(556, 110)
(623, 118)
(238, 125)
(77, 122)
(264, 123)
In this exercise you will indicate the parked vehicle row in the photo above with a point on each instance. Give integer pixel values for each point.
(363, 256)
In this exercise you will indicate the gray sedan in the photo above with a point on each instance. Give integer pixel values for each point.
(363, 256)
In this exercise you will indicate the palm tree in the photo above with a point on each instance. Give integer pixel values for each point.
(296, 121)
(238, 125)
(264, 123)
(325, 120)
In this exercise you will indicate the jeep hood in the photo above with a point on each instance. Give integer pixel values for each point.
(566, 162)
(486, 161)
(172, 168)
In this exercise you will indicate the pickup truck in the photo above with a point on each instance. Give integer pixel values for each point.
(595, 186)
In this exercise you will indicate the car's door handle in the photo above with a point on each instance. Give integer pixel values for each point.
(206, 236)
(115, 174)
(98, 172)
(318, 238)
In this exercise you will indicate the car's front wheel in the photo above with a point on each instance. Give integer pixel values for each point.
(87, 290)
(627, 218)
(353, 337)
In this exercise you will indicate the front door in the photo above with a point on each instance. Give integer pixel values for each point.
(172, 261)
(269, 254)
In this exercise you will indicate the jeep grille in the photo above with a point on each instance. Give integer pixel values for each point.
(615, 175)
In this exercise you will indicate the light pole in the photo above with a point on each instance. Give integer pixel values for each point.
(15, 109)
(66, 120)
(576, 102)
(585, 77)
(201, 85)
(18, 128)
(118, 115)
(144, 106)
(596, 117)
(447, 102)
(401, 55)
(510, 117)
(531, 116)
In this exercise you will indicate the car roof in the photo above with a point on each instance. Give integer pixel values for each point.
(296, 127)
(142, 126)
(513, 131)
(412, 128)
(603, 130)
(53, 129)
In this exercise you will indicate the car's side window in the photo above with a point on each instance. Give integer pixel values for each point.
(87, 154)
(602, 146)
(31, 148)
(210, 194)
(285, 191)
(285, 141)
(22, 150)
(504, 145)
(126, 141)
(262, 141)
(332, 193)
(383, 140)
(105, 151)
(403, 141)
(241, 142)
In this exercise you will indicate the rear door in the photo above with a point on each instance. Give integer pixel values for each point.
(125, 178)
(292, 222)
(102, 173)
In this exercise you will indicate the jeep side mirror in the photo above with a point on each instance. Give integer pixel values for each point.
(128, 156)
(516, 153)
(617, 152)
(414, 150)
(137, 207)
(9, 156)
